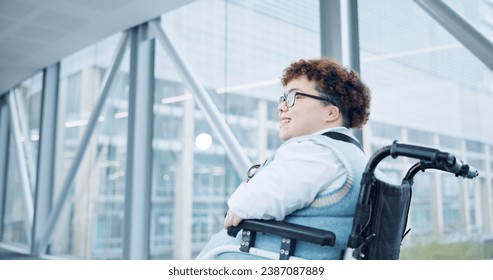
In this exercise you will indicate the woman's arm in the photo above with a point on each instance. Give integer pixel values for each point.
(298, 172)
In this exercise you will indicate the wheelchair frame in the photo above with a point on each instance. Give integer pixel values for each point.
(369, 238)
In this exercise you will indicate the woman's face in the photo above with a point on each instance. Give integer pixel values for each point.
(307, 115)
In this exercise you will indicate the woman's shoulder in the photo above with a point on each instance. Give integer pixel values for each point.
(305, 146)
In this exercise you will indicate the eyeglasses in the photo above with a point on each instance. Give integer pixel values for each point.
(290, 98)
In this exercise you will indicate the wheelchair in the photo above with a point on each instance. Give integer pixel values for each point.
(380, 218)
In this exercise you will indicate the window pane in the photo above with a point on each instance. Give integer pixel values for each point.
(91, 222)
(19, 195)
(427, 83)
(240, 68)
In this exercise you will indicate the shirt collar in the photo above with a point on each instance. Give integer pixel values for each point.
(340, 129)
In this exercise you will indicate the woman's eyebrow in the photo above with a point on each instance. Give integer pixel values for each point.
(293, 89)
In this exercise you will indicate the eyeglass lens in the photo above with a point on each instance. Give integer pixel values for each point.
(288, 99)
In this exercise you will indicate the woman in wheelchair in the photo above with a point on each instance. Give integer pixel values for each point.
(314, 177)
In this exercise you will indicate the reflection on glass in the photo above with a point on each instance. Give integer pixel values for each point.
(18, 197)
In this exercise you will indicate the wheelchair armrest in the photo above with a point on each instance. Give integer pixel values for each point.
(288, 230)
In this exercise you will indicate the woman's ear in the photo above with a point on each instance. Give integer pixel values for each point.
(333, 113)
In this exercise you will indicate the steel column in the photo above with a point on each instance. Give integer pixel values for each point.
(339, 36)
(4, 153)
(139, 155)
(183, 195)
(331, 29)
(46, 156)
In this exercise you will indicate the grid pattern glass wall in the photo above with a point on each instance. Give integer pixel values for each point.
(240, 68)
(427, 89)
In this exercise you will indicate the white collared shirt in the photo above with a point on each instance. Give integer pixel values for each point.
(301, 168)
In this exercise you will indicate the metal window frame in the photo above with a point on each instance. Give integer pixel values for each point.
(27, 145)
(27, 196)
(4, 148)
(339, 32)
(46, 156)
(339, 36)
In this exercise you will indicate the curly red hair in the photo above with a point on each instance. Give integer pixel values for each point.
(342, 87)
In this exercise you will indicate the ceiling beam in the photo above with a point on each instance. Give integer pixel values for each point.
(461, 29)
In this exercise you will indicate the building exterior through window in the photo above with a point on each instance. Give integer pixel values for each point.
(427, 89)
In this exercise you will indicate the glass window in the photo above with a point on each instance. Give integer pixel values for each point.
(450, 142)
(477, 163)
(427, 89)
(240, 68)
(162, 230)
(451, 196)
(388, 131)
(15, 229)
(450, 187)
(474, 146)
(91, 224)
(427, 83)
(491, 187)
(421, 203)
(19, 194)
(420, 137)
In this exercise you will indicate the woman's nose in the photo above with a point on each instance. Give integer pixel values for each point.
(282, 107)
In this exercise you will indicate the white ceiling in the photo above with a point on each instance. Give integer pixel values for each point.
(37, 33)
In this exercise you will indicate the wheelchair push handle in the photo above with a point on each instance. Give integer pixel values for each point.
(434, 159)
(419, 152)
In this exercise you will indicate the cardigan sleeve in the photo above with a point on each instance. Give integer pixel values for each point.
(298, 172)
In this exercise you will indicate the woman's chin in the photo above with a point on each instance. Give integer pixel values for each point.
(283, 135)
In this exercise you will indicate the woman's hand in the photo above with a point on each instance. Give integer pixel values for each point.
(231, 219)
